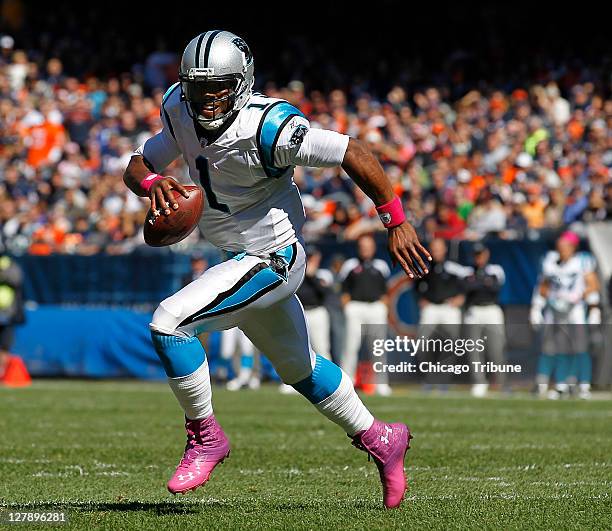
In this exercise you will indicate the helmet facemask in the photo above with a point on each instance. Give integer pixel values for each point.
(211, 99)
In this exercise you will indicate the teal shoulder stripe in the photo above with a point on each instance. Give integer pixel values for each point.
(272, 122)
(165, 98)
(169, 91)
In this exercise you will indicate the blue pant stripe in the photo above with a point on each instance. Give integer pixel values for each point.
(261, 280)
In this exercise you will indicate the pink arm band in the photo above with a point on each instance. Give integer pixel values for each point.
(391, 214)
(148, 181)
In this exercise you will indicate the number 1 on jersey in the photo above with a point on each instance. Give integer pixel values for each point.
(202, 166)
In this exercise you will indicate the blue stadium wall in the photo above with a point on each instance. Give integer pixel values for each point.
(91, 313)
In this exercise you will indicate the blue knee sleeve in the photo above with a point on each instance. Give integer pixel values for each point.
(546, 364)
(322, 382)
(584, 367)
(180, 356)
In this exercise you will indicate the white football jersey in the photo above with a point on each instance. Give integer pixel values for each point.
(252, 203)
(567, 285)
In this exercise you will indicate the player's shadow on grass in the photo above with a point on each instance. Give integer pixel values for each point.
(159, 508)
(175, 507)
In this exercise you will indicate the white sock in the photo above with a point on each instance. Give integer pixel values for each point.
(194, 393)
(346, 409)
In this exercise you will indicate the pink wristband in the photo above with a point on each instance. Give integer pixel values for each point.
(148, 181)
(391, 214)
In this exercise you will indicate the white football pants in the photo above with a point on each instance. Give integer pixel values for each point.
(245, 291)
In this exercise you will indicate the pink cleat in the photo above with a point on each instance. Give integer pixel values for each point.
(387, 444)
(207, 446)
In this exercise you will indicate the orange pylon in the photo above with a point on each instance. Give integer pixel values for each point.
(16, 373)
(365, 378)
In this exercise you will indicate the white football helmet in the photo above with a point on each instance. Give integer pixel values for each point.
(214, 61)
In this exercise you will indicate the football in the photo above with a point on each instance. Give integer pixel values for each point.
(166, 230)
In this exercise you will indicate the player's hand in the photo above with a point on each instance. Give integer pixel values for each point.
(406, 249)
(162, 198)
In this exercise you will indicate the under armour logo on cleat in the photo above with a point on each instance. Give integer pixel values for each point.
(385, 438)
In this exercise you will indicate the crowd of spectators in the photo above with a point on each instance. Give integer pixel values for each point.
(506, 162)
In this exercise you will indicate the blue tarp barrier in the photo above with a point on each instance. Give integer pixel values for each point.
(88, 342)
(98, 343)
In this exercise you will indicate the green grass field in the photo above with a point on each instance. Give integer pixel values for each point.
(102, 452)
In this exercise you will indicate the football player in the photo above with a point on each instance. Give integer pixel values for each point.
(241, 148)
(564, 302)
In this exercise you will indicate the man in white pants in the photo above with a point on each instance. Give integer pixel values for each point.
(441, 298)
(441, 293)
(312, 294)
(364, 297)
(483, 316)
(241, 149)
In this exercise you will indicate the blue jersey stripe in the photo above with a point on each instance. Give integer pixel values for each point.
(270, 127)
(163, 109)
(169, 92)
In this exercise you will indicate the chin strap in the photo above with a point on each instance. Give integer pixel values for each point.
(211, 125)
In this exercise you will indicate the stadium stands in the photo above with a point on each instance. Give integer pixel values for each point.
(492, 161)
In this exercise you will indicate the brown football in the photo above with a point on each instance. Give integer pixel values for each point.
(166, 230)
